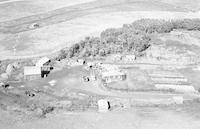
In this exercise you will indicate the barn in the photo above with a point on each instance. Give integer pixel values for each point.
(32, 72)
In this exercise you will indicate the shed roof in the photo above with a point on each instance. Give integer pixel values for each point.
(32, 70)
(42, 61)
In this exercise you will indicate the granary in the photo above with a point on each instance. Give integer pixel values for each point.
(32, 72)
(129, 58)
(42, 61)
(111, 76)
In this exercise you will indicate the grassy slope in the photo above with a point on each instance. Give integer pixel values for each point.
(61, 25)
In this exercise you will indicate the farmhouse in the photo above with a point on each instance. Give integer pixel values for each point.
(111, 76)
(32, 72)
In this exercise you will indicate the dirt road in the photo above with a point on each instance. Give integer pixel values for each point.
(138, 118)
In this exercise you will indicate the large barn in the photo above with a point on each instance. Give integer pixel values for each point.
(32, 72)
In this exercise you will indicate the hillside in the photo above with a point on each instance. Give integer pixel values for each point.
(63, 23)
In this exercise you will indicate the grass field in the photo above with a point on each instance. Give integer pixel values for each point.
(62, 23)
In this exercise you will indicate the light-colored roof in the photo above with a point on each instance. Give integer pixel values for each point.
(112, 73)
(42, 61)
(32, 70)
(116, 55)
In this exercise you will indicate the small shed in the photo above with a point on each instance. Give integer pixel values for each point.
(32, 72)
(103, 105)
(42, 61)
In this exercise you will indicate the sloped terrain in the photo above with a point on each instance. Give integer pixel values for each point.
(63, 100)
(62, 26)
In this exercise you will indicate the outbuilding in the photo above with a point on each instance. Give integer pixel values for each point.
(32, 72)
(103, 105)
(129, 58)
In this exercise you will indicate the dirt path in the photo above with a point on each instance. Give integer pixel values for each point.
(142, 118)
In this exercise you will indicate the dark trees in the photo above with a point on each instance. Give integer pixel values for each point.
(135, 37)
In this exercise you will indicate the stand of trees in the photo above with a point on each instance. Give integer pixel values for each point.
(133, 38)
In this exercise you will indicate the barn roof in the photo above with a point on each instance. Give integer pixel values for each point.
(42, 61)
(32, 70)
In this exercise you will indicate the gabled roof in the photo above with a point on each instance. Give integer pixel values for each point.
(32, 70)
(42, 61)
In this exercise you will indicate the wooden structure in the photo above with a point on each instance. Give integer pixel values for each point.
(111, 76)
(32, 72)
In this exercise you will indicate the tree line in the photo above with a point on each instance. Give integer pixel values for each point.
(131, 38)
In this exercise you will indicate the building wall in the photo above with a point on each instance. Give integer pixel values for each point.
(115, 78)
(32, 77)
